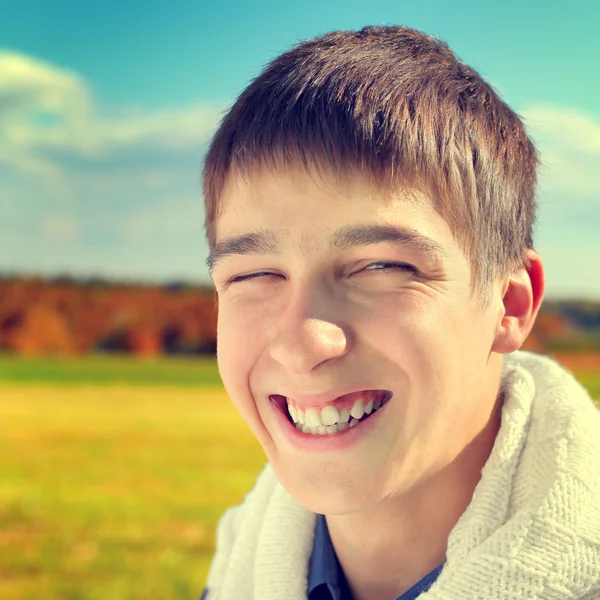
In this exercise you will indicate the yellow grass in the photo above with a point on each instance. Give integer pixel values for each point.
(114, 492)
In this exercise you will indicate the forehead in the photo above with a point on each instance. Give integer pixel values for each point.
(265, 214)
(296, 198)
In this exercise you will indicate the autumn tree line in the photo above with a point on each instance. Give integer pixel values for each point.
(68, 316)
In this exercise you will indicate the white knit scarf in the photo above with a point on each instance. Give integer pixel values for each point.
(531, 531)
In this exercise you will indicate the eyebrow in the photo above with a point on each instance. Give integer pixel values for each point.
(267, 243)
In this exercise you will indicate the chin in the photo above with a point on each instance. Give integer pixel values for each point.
(322, 494)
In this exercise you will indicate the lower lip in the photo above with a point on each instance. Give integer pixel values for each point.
(329, 442)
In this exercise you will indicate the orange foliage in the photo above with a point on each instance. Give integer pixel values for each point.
(533, 342)
(37, 329)
(143, 342)
(37, 316)
(578, 361)
(552, 325)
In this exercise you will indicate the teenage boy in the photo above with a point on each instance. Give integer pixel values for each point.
(369, 211)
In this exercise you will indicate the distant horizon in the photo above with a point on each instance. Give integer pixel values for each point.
(207, 283)
(112, 279)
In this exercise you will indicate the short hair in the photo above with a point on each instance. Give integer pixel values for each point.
(397, 107)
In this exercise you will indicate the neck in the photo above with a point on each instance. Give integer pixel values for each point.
(389, 547)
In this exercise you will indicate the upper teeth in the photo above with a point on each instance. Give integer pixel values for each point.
(330, 415)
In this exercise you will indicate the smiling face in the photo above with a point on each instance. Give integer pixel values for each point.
(351, 290)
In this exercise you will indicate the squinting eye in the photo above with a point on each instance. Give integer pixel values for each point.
(387, 265)
(382, 266)
(239, 278)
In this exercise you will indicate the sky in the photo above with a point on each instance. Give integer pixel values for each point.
(106, 111)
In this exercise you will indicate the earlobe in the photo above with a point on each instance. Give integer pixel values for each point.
(522, 298)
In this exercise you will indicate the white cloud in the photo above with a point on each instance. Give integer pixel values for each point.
(572, 128)
(177, 217)
(569, 143)
(37, 101)
(30, 84)
(570, 264)
(47, 115)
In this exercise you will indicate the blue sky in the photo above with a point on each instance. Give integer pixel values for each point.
(106, 110)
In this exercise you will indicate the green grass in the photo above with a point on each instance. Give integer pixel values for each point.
(107, 369)
(591, 381)
(113, 474)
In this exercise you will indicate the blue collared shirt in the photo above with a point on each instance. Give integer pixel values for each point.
(326, 579)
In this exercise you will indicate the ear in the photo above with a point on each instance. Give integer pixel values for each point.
(521, 299)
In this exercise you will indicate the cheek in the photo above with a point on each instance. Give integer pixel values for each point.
(233, 347)
(447, 359)
(428, 341)
(416, 325)
(239, 344)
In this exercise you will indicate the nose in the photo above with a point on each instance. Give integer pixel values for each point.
(304, 341)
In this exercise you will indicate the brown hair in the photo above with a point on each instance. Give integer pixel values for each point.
(397, 107)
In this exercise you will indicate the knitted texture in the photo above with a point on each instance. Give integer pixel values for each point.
(531, 530)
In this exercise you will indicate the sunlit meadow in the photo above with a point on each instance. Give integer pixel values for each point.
(114, 472)
(112, 490)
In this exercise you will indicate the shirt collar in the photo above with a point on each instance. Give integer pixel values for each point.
(324, 564)
(325, 569)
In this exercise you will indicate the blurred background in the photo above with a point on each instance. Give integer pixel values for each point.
(120, 448)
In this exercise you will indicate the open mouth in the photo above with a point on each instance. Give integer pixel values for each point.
(333, 418)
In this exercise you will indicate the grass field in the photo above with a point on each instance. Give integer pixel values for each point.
(109, 370)
(113, 490)
(113, 473)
